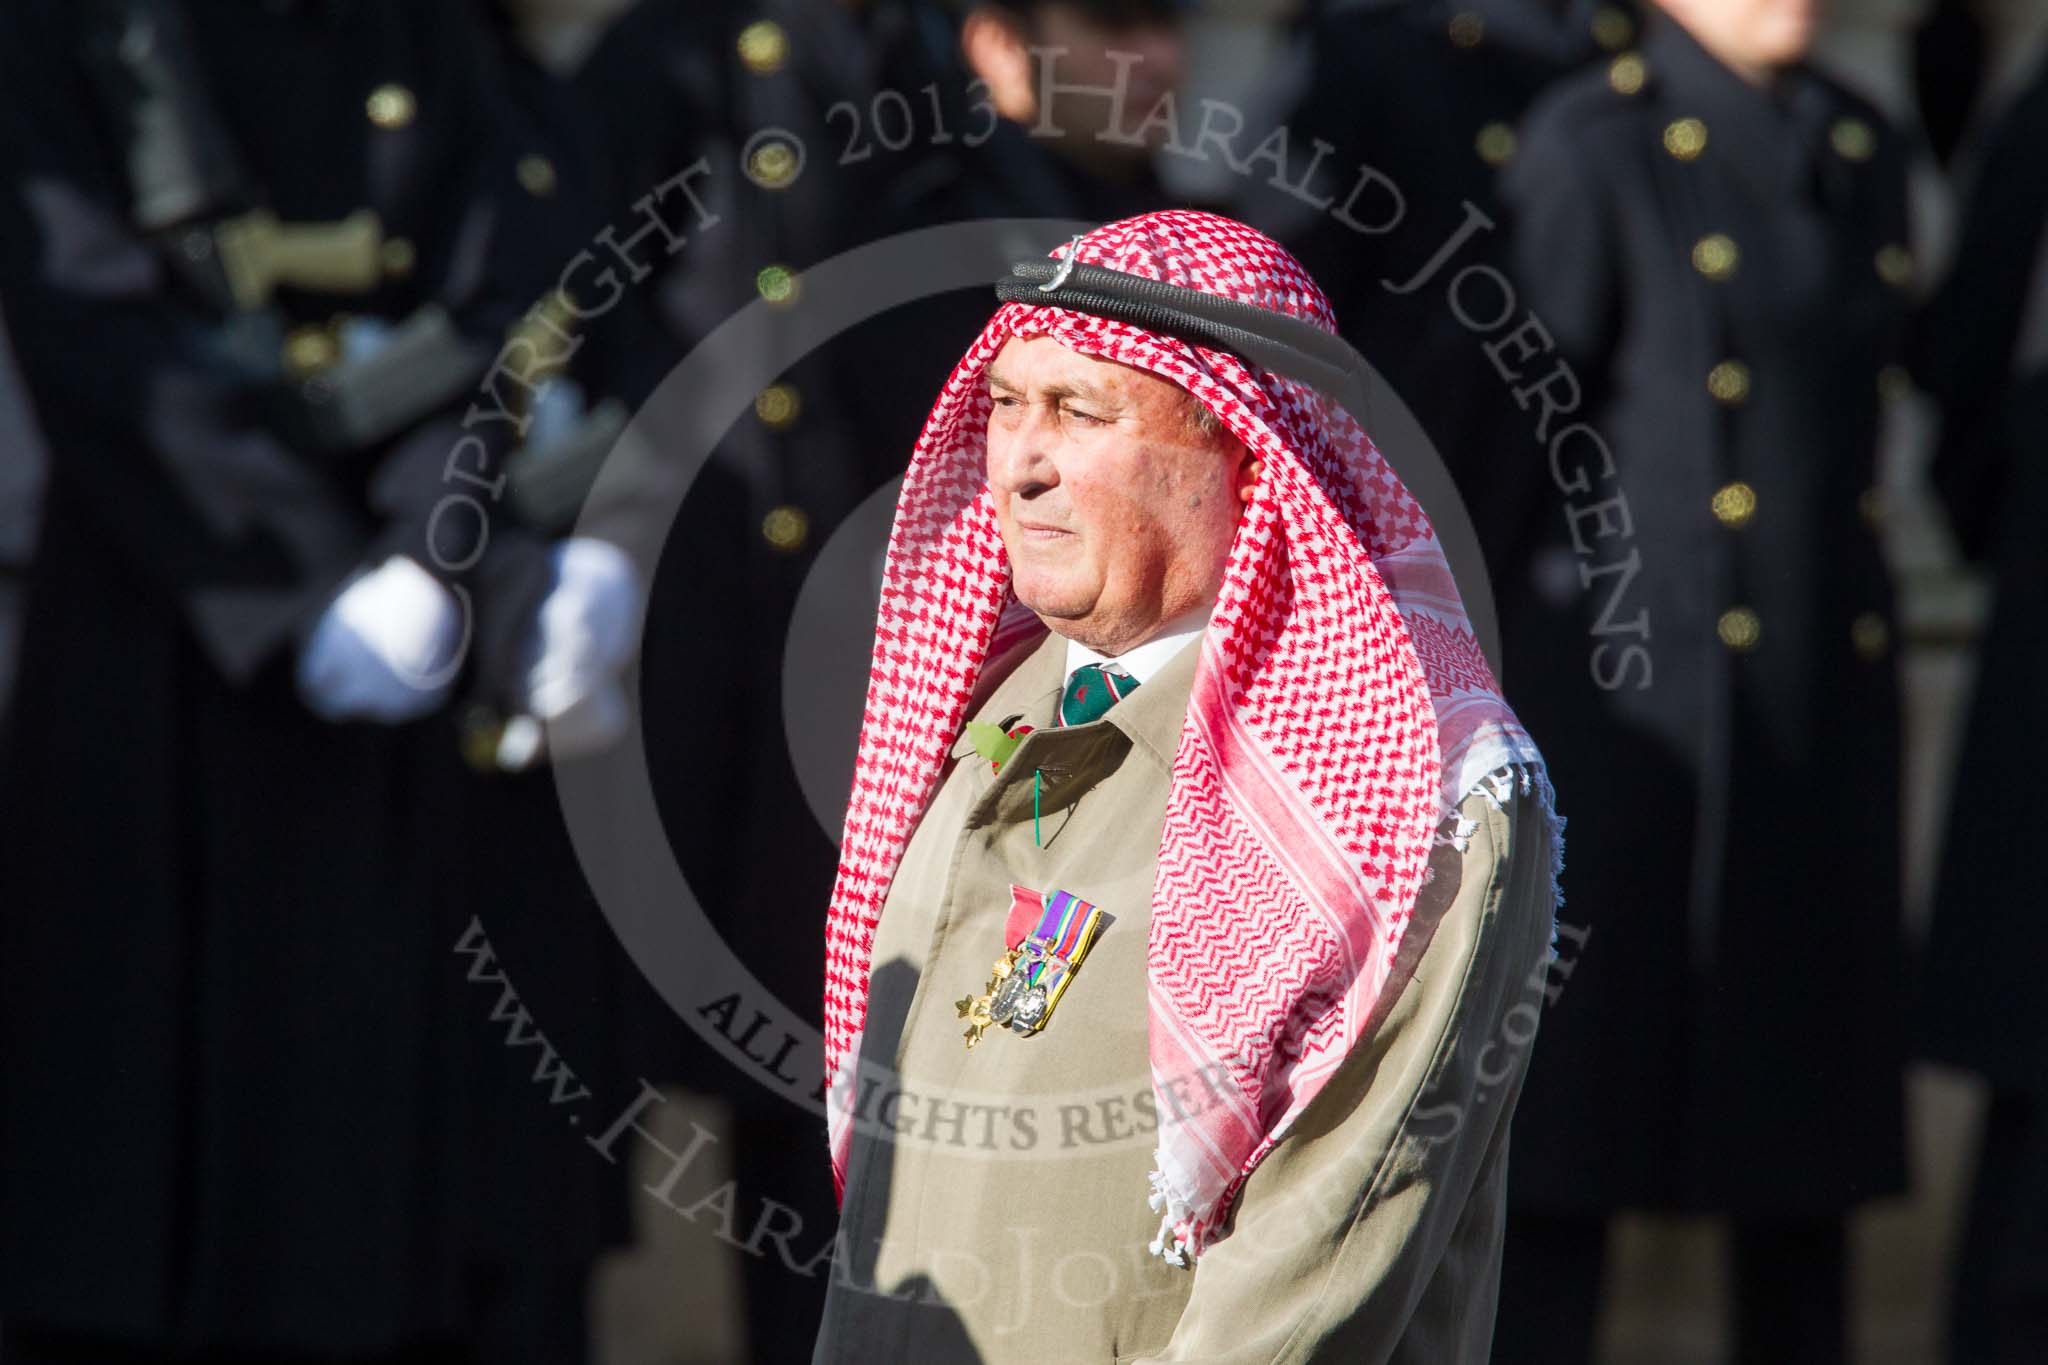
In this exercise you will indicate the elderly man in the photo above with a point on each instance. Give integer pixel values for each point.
(1195, 900)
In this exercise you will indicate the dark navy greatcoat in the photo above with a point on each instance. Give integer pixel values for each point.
(1700, 633)
(251, 1101)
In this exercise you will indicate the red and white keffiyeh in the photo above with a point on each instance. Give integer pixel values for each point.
(1341, 708)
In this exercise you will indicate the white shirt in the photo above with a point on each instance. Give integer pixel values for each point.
(1142, 661)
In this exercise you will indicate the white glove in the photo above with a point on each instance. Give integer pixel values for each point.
(580, 642)
(386, 648)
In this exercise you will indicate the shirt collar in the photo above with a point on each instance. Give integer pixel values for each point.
(1142, 661)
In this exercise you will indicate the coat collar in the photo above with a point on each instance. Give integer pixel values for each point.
(1769, 134)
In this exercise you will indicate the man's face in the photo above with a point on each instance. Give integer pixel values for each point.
(1116, 509)
(1085, 61)
(1755, 37)
(997, 41)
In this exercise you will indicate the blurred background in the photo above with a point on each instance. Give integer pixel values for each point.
(319, 319)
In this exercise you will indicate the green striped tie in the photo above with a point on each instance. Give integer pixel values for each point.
(1092, 690)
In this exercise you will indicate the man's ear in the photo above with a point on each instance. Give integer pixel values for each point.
(996, 51)
(1248, 477)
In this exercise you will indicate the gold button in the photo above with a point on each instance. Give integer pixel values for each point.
(1739, 629)
(772, 166)
(554, 311)
(1625, 74)
(786, 528)
(1715, 256)
(309, 350)
(1871, 636)
(1685, 138)
(391, 107)
(1852, 139)
(537, 174)
(1496, 144)
(1467, 29)
(398, 257)
(1612, 29)
(764, 47)
(777, 406)
(1894, 382)
(1734, 505)
(776, 284)
(1895, 265)
(1729, 382)
(1873, 507)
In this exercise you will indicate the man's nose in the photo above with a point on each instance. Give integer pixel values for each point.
(1022, 462)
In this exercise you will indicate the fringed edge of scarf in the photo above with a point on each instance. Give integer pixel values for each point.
(1182, 1237)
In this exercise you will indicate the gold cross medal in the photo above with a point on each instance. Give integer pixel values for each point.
(1050, 935)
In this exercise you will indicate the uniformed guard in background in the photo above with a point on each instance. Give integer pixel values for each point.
(550, 687)
(1711, 238)
(675, 85)
(260, 259)
(1983, 355)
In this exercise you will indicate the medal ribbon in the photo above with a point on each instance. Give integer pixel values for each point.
(1066, 928)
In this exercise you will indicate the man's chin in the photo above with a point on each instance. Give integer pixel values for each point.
(1053, 608)
(1052, 617)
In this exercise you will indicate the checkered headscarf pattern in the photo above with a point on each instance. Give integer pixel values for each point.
(1340, 708)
